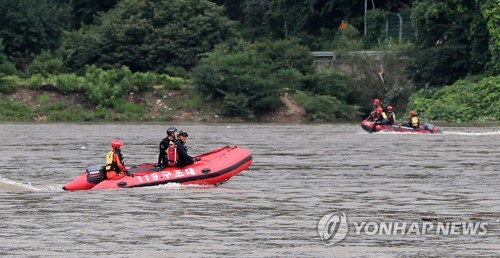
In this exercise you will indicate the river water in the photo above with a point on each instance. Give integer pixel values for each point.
(299, 174)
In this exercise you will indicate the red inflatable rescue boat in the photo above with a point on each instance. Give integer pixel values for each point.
(367, 125)
(214, 168)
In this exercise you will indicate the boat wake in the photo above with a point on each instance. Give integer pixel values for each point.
(7, 185)
(471, 133)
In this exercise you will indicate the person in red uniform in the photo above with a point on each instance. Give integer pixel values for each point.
(378, 115)
(377, 111)
(115, 167)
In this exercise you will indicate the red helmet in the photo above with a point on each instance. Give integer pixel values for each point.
(116, 143)
(376, 101)
(412, 113)
(389, 108)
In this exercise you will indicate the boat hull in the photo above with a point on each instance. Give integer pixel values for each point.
(214, 168)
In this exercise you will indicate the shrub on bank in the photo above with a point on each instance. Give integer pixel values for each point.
(172, 83)
(106, 90)
(15, 111)
(235, 106)
(143, 82)
(333, 83)
(46, 64)
(107, 87)
(8, 84)
(250, 78)
(61, 105)
(324, 108)
(122, 106)
(77, 114)
(68, 83)
(36, 81)
(464, 101)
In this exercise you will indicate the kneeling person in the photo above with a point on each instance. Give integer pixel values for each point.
(115, 167)
(391, 116)
(414, 123)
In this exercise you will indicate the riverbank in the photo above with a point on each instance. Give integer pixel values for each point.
(47, 104)
(180, 105)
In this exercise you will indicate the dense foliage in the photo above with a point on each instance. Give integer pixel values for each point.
(149, 35)
(452, 41)
(107, 91)
(85, 12)
(491, 12)
(464, 101)
(249, 78)
(245, 55)
(30, 26)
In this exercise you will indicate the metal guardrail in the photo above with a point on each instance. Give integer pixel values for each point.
(324, 54)
(333, 55)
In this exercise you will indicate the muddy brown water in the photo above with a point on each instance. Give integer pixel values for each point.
(299, 174)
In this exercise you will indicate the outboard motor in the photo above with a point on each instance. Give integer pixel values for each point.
(429, 127)
(432, 128)
(96, 174)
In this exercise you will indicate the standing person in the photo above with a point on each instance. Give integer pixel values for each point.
(391, 116)
(114, 161)
(378, 115)
(377, 110)
(171, 139)
(413, 121)
(183, 159)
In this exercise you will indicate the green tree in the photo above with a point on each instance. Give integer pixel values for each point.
(233, 9)
(315, 22)
(84, 12)
(150, 35)
(452, 41)
(491, 13)
(250, 78)
(30, 26)
(6, 67)
(287, 18)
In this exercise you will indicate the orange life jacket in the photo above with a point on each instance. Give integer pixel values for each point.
(114, 166)
(172, 155)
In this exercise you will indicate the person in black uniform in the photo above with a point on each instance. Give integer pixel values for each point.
(167, 141)
(184, 159)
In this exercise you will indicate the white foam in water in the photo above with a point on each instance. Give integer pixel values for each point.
(167, 186)
(177, 186)
(471, 133)
(11, 185)
(50, 188)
